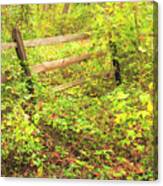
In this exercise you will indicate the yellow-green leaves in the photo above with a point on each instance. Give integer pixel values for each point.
(122, 95)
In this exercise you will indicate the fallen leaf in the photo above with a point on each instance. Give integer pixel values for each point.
(53, 116)
(55, 155)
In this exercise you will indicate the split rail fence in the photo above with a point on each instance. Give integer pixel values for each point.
(19, 44)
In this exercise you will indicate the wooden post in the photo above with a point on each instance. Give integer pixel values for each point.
(20, 50)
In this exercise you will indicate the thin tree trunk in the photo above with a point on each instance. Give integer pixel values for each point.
(46, 7)
(66, 8)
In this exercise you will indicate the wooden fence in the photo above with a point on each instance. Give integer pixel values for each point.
(47, 41)
(20, 45)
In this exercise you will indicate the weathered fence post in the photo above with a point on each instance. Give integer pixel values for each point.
(20, 50)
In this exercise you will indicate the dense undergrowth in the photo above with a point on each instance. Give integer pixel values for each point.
(95, 130)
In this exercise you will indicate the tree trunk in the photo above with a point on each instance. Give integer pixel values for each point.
(66, 8)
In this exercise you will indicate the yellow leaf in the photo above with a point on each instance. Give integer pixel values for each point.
(40, 171)
(37, 139)
(150, 107)
(117, 119)
(150, 86)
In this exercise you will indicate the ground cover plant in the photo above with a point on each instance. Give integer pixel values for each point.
(98, 129)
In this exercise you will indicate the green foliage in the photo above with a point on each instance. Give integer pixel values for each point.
(96, 130)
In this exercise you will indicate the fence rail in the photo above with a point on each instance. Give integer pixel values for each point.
(19, 44)
(104, 75)
(61, 63)
(47, 41)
